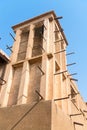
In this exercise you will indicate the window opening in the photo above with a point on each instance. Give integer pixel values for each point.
(23, 45)
(35, 80)
(57, 68)
(63, 77)
(56, 33)
(73, 95)
(38, 40)
(2, 71)
(13, 95)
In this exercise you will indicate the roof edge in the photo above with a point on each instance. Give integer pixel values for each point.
(34, 18)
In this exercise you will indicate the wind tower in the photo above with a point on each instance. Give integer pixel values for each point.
(39, 93)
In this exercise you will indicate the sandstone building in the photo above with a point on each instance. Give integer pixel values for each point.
(36, 90)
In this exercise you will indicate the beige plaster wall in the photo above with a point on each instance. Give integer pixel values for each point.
(36, 116)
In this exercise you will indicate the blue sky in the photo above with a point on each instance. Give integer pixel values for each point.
(74, 24)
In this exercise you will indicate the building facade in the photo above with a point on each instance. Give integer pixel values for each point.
(36, 90)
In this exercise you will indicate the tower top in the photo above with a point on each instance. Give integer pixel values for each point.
(51, 15)
(35, 18)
